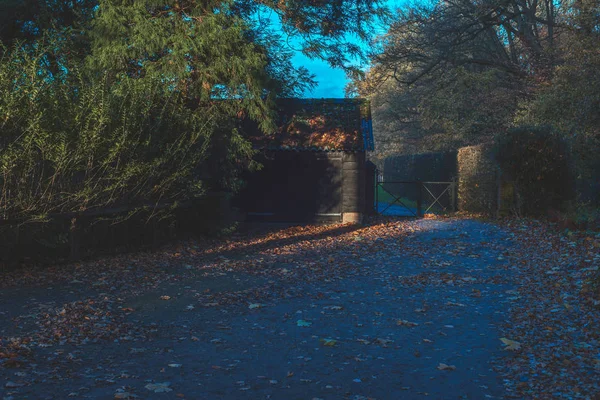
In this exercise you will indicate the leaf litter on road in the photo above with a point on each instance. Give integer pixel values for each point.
(554, 309)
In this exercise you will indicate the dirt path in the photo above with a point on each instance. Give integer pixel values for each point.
(400, 310)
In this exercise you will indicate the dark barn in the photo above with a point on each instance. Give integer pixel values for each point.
(314, 166)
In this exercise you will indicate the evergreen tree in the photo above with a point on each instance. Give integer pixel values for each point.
(111, 102)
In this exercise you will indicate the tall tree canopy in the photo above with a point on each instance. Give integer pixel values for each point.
(321, 27)
(110, 102)
(471, 69)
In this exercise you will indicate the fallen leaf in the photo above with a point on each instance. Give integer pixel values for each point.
(444, 367)
(135, 350)
(510, 344)
(125, 395)
(403, 322)
(328, 342)
(159, 387)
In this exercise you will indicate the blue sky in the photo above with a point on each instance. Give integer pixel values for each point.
(330, 81)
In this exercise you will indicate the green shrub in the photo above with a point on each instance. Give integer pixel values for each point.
(73, 141)
(536, 160)
(584, 216)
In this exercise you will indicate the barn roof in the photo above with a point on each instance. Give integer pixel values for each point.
(319, 125)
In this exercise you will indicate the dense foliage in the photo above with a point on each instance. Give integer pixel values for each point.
(536, 160)
(461, 72)
(118, 103)
(454, 73)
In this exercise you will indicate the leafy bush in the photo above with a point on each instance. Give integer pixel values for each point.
(536, 160)
(585, 216)
(70, 141)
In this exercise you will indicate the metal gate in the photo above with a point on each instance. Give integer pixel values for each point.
(414, 198)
